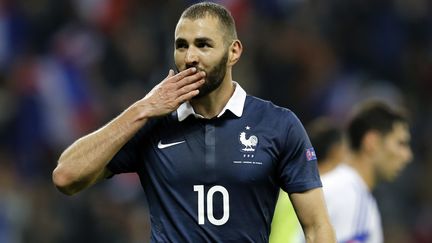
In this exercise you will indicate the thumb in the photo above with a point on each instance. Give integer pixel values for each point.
(170, 73)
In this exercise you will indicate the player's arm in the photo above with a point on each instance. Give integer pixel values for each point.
(313, 216)
(84, 162)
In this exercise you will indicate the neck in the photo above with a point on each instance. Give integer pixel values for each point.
(363, 165)
(212, 104)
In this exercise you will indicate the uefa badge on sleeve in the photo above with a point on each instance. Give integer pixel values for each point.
(310, 154)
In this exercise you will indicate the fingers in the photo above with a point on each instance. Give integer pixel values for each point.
(187, 76)
(170, 73)
(183, 79)
(191, 79)
(182, 86)
(185, 73)
(187, 96)
(172, 77)
(190, 87)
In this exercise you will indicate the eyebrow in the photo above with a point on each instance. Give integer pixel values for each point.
(197, 40)
(180, 41)
(203, 39)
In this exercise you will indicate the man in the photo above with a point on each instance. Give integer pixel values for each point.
(210, 158)
(379, 149)
(330, 148)
(329, 143)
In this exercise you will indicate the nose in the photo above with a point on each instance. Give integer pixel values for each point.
(191, 58)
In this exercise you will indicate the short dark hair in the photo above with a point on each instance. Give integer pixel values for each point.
(203, 9)
(372, 115)
(324, 134)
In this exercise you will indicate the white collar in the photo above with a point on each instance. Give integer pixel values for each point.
(235, 105)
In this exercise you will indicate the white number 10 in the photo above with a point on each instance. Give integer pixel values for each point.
(211, 191)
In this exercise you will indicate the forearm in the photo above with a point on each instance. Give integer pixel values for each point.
(320, 233)
(84, 162)
(312, 214)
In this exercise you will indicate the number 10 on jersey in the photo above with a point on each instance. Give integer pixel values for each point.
(209, 199)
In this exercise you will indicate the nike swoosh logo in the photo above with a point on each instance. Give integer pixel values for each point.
(166, 145)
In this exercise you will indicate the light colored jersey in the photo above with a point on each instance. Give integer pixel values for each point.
(352, 208)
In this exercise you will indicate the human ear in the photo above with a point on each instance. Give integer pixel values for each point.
(235, 51)
(371, 141)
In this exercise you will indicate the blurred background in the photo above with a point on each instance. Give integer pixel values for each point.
(68, 67)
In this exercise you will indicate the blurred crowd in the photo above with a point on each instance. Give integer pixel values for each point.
(67, 67)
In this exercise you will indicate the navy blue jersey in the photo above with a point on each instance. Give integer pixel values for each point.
(217, 180)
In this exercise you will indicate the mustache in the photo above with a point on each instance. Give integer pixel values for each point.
(191, 65)
(195, 66)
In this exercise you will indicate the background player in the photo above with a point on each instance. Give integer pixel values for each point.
(379, 140)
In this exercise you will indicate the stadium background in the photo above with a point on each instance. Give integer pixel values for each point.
(67, 67)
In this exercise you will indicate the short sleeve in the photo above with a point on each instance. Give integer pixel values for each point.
(130, 157)
(297, 168)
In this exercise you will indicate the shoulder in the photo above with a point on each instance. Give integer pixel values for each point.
(340, 178)
(256, 102)
(267, 109)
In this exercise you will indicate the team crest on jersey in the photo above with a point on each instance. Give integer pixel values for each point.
(249, 141)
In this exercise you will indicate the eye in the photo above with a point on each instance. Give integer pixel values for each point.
(181, 45)
(203, 45)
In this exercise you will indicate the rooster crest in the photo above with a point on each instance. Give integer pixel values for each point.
(249, 143)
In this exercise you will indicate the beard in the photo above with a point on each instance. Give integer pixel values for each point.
(214, 77)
